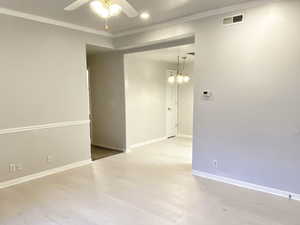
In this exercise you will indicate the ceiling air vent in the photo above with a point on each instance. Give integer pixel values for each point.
(233, 19)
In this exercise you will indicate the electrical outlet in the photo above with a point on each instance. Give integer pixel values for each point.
(215, 163)
(49, 159)
(12, 168)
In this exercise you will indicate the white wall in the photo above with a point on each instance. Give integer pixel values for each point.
(43, 80)
(145, 99)
(251, 125)
(106, 73)
(185, 104)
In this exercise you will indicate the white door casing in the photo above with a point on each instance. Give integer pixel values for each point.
(171, 106)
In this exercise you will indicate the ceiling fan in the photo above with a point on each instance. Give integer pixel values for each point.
(106, 8)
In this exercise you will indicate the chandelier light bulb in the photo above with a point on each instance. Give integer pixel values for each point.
(171, 79)
(186, 79)
(179, 79)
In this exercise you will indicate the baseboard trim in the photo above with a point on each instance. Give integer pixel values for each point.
(147, 142)
(247, 185)
(43, 126)
(45, 173)
(185, 136)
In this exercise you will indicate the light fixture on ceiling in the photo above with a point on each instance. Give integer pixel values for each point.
(145, 16)
(105, 9)
(171, 79)
(180, 77)
(186, 79)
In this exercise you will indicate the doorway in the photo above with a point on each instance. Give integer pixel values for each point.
(156, 108)
(106, 134)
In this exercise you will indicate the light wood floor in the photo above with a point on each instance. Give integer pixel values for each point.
(152, 185)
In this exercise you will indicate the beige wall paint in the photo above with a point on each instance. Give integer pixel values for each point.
(108, 100)
(43, 80)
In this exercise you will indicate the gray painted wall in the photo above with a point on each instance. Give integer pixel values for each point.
(145, 99)
(108, 100)
(251, 125)
(43, 80)
(185, 104)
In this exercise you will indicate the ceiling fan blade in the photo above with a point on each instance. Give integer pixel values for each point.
(127, 8)
(76, 5)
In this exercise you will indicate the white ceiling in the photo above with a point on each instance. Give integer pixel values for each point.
(168, 54)
(160, 10)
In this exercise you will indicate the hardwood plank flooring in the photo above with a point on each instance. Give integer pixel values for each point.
(151, 185)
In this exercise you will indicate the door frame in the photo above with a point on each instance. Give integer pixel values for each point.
(168, 73)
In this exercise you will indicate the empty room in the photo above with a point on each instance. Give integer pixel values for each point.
(149, 112)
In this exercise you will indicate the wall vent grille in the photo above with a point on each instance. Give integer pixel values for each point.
(233, 19)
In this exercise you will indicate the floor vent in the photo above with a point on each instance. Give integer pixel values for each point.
(233, 19)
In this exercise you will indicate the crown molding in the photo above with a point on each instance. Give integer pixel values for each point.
(194, 17)
(181, 20)
(46, 20)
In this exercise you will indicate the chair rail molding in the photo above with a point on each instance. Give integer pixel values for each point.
(43, 126)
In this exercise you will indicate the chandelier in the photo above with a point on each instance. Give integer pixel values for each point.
(180, 77)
